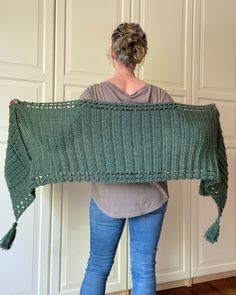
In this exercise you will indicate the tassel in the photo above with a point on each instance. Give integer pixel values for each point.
(7, 240)
(213, 231)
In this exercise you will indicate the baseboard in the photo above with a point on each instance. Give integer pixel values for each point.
(186, 282)
(196, 280)
(213, 277)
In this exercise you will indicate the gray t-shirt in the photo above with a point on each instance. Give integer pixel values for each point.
(122, 200)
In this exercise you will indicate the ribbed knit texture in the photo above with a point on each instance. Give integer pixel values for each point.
(97, 141)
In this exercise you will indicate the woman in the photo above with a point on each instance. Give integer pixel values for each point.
(144, 204)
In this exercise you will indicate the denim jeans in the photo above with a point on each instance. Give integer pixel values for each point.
(105, 233)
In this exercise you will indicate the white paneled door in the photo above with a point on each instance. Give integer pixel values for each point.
(27, 73)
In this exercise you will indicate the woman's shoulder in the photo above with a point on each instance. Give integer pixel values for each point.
(162, 94)
(89, 92)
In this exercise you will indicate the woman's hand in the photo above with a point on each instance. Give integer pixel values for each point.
(14, 101)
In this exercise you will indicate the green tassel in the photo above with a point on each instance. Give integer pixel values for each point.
(213, 231)
(7, 240)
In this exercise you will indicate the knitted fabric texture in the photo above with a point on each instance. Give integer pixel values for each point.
(97, 141)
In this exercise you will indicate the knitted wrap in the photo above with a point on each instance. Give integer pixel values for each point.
(98, 141)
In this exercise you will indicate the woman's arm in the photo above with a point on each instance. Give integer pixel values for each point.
(87, 93)
(166, 97)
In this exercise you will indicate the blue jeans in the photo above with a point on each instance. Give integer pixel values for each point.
(105, 233)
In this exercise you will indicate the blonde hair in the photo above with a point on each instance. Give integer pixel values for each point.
(129, 43)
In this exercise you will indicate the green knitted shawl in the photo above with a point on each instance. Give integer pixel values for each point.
(98, 141)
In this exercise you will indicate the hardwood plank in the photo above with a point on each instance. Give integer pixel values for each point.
(225, 286)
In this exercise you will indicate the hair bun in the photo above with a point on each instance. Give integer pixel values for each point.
(129, 43)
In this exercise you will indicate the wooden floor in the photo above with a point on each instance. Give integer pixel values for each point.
(217, 287)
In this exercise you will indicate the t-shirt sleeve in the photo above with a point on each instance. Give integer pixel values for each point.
(87, 93)
(166, 97)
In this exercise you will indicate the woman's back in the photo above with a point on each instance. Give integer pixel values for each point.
(122, 200)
